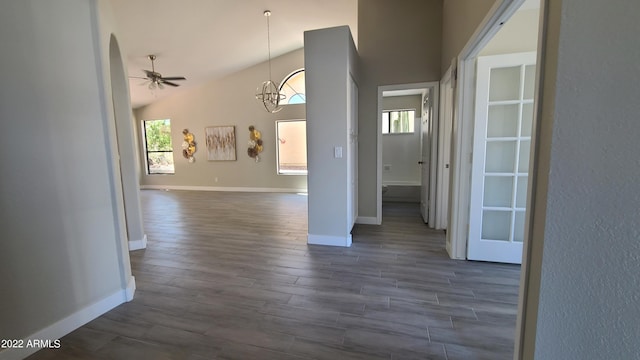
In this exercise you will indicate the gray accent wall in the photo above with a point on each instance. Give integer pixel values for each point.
(460, 19)
(62, 246)
(399, 42)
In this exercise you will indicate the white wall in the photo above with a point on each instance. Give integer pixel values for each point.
(226, 101)
(329, 59)
(401, 152)
(585, 250)
(518, 34)
(62, 250)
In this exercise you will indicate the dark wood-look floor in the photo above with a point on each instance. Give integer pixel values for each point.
(230, 276)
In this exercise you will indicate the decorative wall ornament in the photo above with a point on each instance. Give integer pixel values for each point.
(188, 146)
(255, 143)
(221, 143)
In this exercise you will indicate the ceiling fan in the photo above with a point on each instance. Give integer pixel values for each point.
(156, 80)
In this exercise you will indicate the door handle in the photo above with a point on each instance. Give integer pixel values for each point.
(420, 162)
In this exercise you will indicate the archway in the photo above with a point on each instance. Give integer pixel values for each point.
(126, 148)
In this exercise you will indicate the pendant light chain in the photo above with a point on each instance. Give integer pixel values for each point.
(268, 15)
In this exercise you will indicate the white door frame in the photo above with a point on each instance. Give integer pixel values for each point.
(462, 144)
(433, 159)
(444, 140)
(463, 118)
(433, 86)
(352, 151)
(426, 131)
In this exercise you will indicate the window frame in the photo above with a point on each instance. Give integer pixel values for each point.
(147, 151)
(389, 122)
(287, 78)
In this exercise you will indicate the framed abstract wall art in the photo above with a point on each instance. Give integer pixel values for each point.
(220, 142)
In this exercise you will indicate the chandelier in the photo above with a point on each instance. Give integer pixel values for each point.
(269, 92)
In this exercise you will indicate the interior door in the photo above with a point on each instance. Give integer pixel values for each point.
(502, 142)
(425, 145)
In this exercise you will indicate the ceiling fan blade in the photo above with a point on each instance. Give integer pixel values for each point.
(163, 81)
(174, 78)
(138, 77)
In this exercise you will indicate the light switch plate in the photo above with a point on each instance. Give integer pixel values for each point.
(337, 152)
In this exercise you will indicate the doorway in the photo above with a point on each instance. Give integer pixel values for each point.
(463, 139)
(407, 126)
(511, 28)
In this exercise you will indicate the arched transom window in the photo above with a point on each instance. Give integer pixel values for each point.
(293, 88)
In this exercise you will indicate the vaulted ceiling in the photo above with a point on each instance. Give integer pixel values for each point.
(207, 39)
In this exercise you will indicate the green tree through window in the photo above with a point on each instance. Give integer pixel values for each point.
(158, 149)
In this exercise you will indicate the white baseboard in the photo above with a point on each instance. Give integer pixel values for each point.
(138, 244)
(401, 183)
(367, 220)
(131, 289)
(68, 324)
(329, 240)
(221, 188)
(451, 254)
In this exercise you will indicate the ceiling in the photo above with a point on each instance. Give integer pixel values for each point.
(203, 40)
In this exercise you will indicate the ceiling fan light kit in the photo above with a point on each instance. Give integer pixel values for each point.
(269, 92)
(156, 80)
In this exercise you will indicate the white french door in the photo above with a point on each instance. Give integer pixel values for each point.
(501, 147)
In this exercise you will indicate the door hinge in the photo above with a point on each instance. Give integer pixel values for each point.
(454, 78)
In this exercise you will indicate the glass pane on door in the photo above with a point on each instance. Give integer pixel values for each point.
(502, 121)
(525, 151)
(518, 226)
(521, 191)
(496, 225)
(500, 156)
(497, 191)
(529, 81)
(527, 119)
(504, 84)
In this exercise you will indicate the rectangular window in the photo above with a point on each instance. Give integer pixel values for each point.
(291, 147)
(157, 143)
(398, 121)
